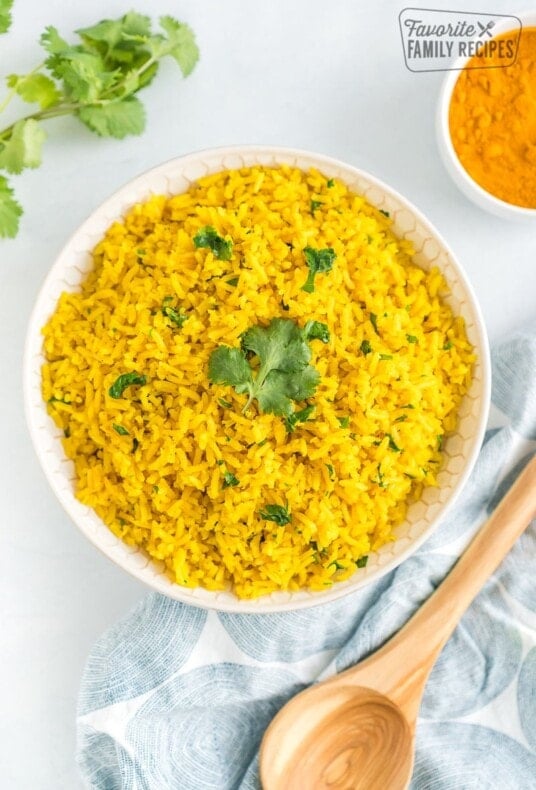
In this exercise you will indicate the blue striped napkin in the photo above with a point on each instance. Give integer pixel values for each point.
(177, 698)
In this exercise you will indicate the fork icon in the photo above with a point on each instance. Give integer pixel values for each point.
(485, 29)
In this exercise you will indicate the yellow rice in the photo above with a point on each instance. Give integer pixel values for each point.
(160, 487)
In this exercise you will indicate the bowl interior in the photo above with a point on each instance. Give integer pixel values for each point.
(176, 176)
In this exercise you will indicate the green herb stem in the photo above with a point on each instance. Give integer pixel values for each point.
(55, 111)
(62, 108)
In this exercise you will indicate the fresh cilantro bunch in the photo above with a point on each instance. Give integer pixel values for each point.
(96, 80)
(283, 374)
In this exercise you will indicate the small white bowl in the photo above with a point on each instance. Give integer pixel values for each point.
(458, 173)
(176, 176)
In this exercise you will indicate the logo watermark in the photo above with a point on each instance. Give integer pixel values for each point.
(434, 39)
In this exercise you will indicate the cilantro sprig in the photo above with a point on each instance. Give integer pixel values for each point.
(279, 514)
(318, 261)
(283, 373)
(126, 380)
(230, 480)
(176, 316)
(209, 238)
(298, 416)
(365, 347)
(10, 210)
(316, 330)
(96, 80)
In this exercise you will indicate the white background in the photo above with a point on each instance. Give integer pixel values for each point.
(303, 73)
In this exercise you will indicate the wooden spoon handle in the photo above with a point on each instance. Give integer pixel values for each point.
(438, 617)
(403, 664)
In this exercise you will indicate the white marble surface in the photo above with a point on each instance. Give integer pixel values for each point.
(303, 73)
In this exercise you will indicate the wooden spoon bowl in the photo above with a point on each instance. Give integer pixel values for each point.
(362, 737)
(356, 731)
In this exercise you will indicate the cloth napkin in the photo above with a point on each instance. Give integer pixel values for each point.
(177, 698)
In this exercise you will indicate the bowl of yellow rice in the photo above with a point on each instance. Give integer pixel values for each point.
(256, 378)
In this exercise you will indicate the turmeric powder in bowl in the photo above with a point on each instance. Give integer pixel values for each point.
(492, 121)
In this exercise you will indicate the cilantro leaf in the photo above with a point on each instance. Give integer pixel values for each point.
(411, 338)
(10, 211)
(23, 149)
(52, 42)
(365, 347)
(338, 566)
(107, 31)
(229, 366)
(277, 513)
(123, 45)
(374, 321)
(35, 89)
(5, 15)
(112, 31)
(180, 44)
(298, 416)
(120, 429)
(230, 480)
(362, 561)
(125, 380)
(283, 373)
(330, 183)
(344, 422)
(135, 24)
(381, 477)
(272, 396)
(117, 119)
(318, 261)
(315, 204)
(208, 237)
(175, 316)
(303, 386)
(84, 76)
(393, 445)
(316, 330)
(279, 346)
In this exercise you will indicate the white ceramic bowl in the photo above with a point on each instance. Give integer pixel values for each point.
(174, 177)
(459, 174)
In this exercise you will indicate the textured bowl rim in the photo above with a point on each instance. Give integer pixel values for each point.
(470, 188)
(232, 603)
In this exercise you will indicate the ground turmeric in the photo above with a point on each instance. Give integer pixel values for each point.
(492, 121)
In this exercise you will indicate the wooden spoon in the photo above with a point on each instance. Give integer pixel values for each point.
(356, 730)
